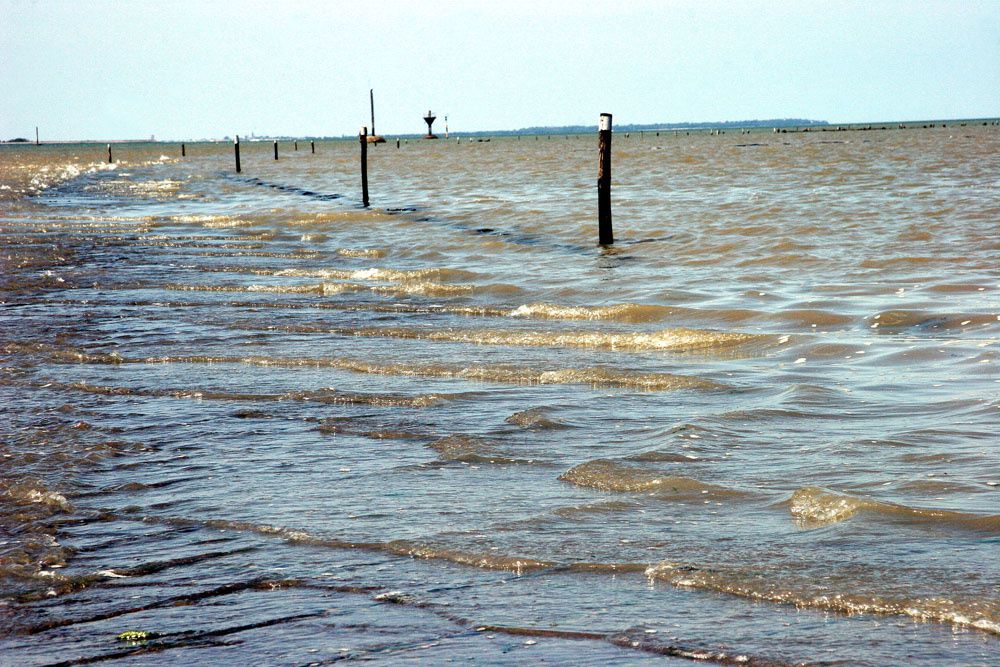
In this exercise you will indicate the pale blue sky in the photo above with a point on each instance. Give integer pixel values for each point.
(87, 69)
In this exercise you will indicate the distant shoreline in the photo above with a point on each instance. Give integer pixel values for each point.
(788, 124)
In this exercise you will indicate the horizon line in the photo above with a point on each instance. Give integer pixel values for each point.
(540, 130)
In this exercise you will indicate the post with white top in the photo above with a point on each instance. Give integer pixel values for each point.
(236, 150)
(275, 149)
(363, 136)
(604, 234)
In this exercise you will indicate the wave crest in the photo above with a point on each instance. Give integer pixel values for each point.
(608, 475)
(974, 613)
(813, 507)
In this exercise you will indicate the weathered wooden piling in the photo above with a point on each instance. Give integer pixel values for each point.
(364, 166)
(397, 143)
(275, 149)
(110, 159)
(605, 236)
(296, 144)
(183, 151)
(236, 150)
(312, 147)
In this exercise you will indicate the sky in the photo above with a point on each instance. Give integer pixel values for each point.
(180, 69)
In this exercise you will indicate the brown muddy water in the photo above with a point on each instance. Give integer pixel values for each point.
(262, 424)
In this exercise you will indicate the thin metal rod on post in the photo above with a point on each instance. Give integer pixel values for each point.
(236, 149)
(604, 234)
(36, 136)
(364, 166)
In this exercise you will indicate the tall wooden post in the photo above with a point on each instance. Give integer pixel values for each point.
(604, 234)
(110, 159)
(183, 150)
(364, 166)
(236, 149)
(312, 146)
(275, 149)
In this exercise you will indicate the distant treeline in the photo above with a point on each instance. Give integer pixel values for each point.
(636, 127)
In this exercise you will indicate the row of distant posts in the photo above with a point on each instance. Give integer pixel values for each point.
(236, 151)
(605, 235)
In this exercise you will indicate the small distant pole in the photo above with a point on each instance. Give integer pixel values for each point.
(110, 159)
(236, 149)
(183, 151)
(296, 145)
(397, 142)
(275, 149)
(36, 136)
(364, 166)
(312, 146)
(605, 235)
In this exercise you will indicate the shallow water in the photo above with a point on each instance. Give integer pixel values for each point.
(248, 416)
